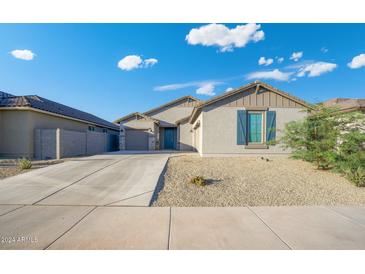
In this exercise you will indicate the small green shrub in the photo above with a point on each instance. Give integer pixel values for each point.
(357, 176)
(199, 181)
(351, 157)
(25, 163)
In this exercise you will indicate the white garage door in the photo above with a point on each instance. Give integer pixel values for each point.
(136, 139)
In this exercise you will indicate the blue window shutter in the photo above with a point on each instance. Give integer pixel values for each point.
(270, 125)
(241, 127)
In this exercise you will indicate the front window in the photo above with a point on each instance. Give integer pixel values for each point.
(255, 127)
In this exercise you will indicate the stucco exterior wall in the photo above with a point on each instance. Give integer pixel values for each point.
(168, 116)
(198, 134)
(149, 125)
(16, 134)
(219, 130)
(185, 139)
(18, 130)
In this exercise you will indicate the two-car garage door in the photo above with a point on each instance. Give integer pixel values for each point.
(136, 139)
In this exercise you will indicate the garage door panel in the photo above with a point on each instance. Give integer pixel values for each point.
(136, 139)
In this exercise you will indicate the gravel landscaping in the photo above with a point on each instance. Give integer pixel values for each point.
(253, 181)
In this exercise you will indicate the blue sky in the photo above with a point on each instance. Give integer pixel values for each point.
(111, 70)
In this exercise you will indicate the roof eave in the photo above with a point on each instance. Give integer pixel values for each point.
(58, 115)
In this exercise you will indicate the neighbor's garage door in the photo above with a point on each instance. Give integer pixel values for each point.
(136, 139)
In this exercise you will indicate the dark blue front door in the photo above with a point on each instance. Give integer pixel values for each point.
(170, 138)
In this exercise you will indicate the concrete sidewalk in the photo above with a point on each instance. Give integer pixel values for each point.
(120, 227)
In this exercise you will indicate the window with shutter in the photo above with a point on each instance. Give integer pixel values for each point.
(270, 126)
(241, 127)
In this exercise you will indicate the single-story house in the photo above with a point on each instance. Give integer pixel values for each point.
(240, 121)
(35, 127)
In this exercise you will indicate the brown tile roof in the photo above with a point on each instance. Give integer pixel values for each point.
(346, 103)
(37, 102)
(5, 95)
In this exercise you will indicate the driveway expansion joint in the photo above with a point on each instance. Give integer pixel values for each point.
(77, 181)
(169, 232)
(128, 198)
(249, 208)
(12, 210)
(74, 225)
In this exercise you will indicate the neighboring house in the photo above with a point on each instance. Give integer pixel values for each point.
(346, 104)
(238, 122)
(34, 127)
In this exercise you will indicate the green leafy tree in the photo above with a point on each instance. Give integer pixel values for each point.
(315, 138)
(330, 139)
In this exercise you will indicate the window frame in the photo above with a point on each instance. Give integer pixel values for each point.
(263, 126)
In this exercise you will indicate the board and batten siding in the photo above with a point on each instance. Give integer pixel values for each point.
(262, 98)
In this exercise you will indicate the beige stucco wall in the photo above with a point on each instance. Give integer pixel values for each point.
(219, 130)
(147, 124)
(18, 130)
(197, 138)
(168, 116)
(185, 137)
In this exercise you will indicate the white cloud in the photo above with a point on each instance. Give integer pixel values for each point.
(224, 38)
(316, 69)
(271, 74)
(296, 56)
(357, 62)
(24, 54)
(150, 62)
(265, 62)
(324, 49)
(206, 89)
(131, 62)
(280, 60)
(175, 86)
(202, 87)
(228, 89)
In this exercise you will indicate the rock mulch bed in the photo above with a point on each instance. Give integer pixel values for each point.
(253, 181)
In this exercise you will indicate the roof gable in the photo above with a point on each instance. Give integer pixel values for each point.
(253, 94)
(136, 116)
(188, 101)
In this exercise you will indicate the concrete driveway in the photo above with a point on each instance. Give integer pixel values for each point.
(110, 179)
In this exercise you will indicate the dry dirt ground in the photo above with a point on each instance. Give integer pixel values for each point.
(10, 167)
(252, 181)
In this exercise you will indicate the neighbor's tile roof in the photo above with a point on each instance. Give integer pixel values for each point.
(37, 102)
(5, 95)
(345, 103)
